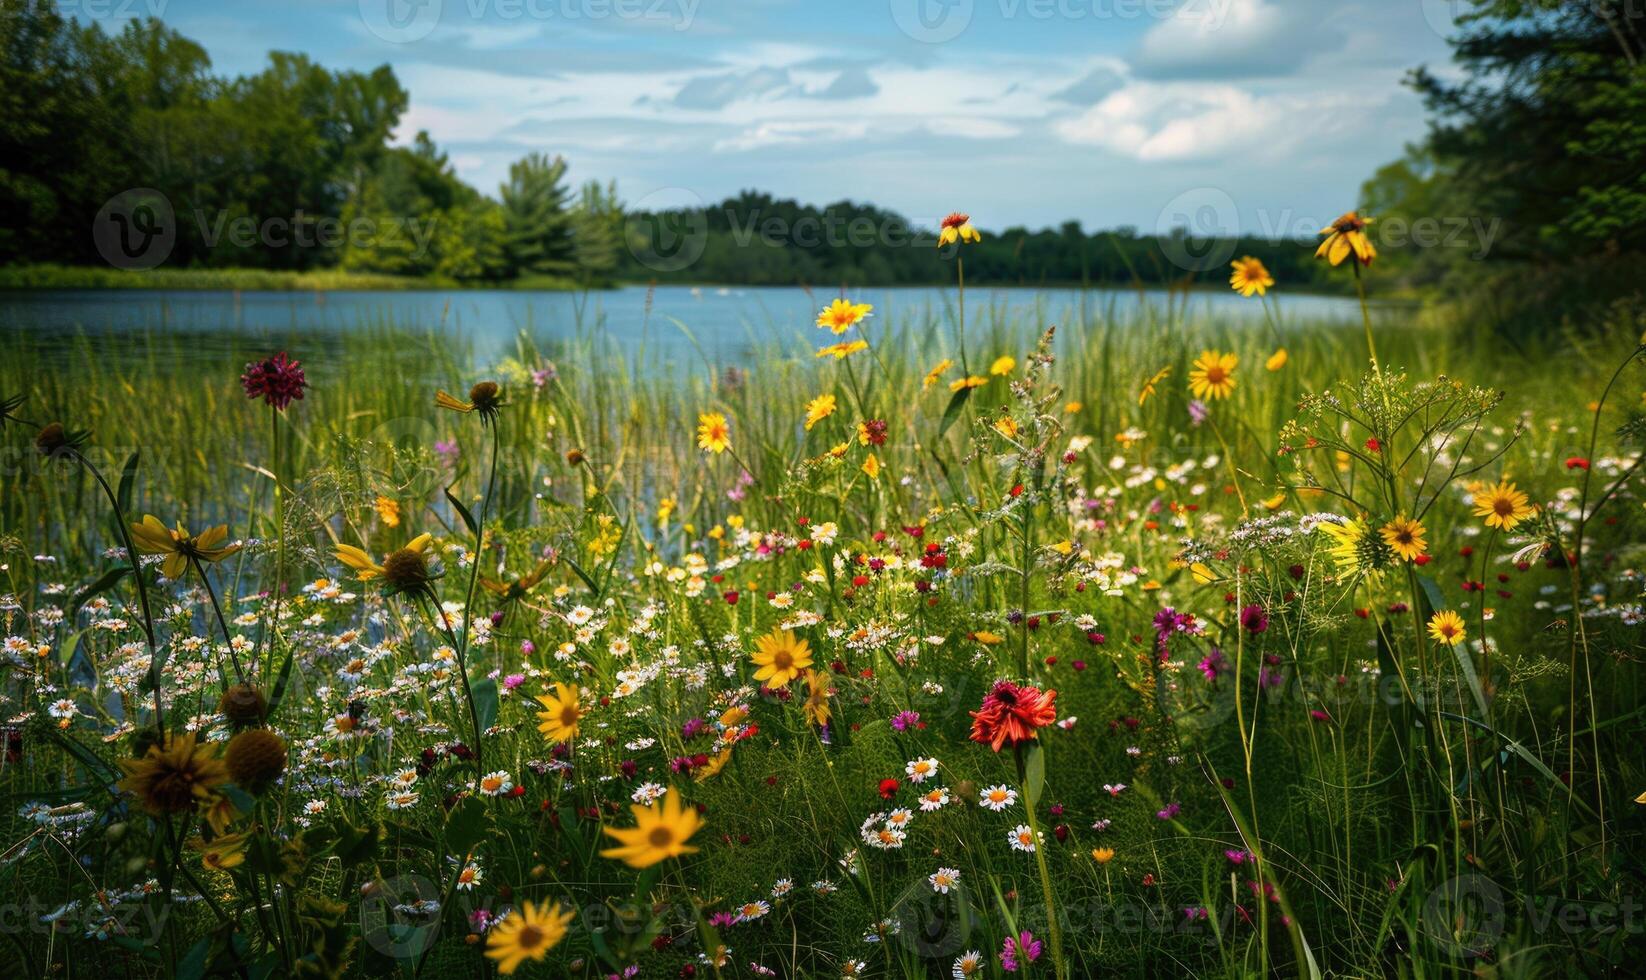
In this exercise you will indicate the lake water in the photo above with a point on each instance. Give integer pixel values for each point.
(729, 325)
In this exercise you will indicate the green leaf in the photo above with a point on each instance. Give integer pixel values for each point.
(467, 825)
(128, 477)
(355, 845)
(193, 964)
(1034, 774)
(1431, 592)
(485, 702)
(463, 512)
(280, 681)
(581, 574)
(952, 412)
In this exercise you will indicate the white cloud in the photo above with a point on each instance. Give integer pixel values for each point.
(781, 133)
(1236, 39)
(1154, 122)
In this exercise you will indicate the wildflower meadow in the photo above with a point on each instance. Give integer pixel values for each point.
(920, 648)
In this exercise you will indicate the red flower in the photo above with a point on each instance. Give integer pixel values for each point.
(1011, 714)
(1576, 463)
(888, 788)
(276, 380)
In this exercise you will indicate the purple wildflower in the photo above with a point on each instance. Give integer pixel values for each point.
(277, 380)
(1023, 946)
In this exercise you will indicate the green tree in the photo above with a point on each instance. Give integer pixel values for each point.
(538, 237)
(597, 230)
(1546, 127)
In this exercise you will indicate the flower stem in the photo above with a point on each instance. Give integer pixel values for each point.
(1053, 929)
(137, 575)
(222, 623)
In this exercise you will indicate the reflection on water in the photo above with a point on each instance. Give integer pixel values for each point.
(667, 328)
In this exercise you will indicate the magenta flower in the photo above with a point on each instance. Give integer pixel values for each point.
(905, 720)
(277, 380)
(1020, 949)
(1253, 618)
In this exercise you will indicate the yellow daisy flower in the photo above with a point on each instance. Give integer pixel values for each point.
(781, 657)
(559, 722)
(1447, 627)
(527, 933)
(1213, 374)
(842, 315)
(713, 434)
(1250, 277)
(660, 832)
(1503, 506)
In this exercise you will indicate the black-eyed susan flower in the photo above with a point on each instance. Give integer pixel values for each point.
(403, 571)
(563, 710)
(179, 546)
(842, 314)
(175, 776)
(1446, 627)
(1404, 536)
(527, 933)
(1250, 277)
(1213, 374)
(243, 704)
(957, 227)
(255, 758)
(818, 409)
(1503, 506)
(53, 441)
(660, 832)
(1345, 237)
(781, 657)
(714, 435)
(485, 398)
(1356, 548)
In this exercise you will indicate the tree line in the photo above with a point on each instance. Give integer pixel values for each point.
(755, 238)
(291, 168)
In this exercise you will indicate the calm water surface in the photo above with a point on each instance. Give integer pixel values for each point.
(673, 326)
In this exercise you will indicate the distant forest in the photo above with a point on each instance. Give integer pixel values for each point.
(86, 116)
(1530, 180)
(758, 239)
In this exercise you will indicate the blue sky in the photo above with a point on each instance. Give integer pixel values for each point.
(1264, 115)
